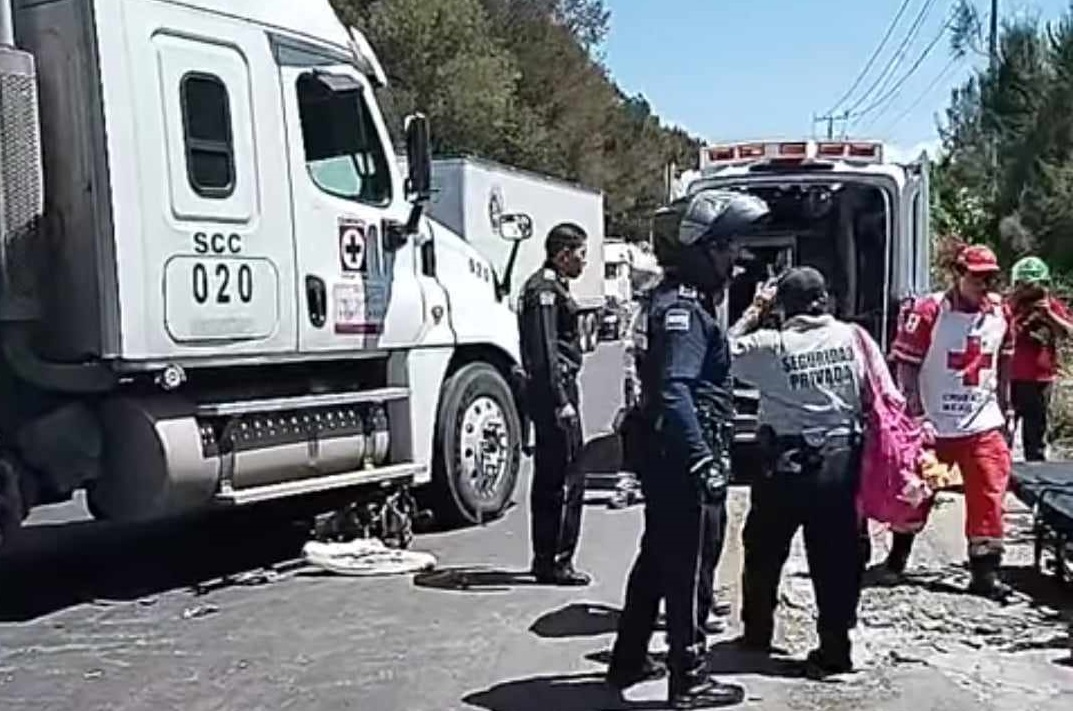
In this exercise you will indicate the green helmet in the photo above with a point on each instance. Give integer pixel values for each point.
(1031, 270)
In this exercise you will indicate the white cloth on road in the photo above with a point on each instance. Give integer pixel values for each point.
(365, 557)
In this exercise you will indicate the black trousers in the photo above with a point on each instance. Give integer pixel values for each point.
(557, 493)
(680, 549)
(822, 499)
(1031, 402)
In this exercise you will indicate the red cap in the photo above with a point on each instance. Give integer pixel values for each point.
(978, 259)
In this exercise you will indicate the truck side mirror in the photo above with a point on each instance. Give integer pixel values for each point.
(515, 227)
(418, 157)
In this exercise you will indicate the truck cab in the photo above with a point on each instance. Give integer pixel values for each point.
(226, 290)
(838, 206)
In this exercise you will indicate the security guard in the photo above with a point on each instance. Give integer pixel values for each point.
(687, 414)
(810, 373)
(551, 357)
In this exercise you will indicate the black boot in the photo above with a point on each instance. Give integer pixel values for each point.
(985, 581)
(894, 566)
(563, 575)
(753, 642)
(696, 689)
(621, 678)
(834, 656)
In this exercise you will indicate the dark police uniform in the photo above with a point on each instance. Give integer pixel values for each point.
(551, 356)
(686, 403)
(810, 375)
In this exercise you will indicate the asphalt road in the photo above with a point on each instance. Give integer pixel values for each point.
(140, 618)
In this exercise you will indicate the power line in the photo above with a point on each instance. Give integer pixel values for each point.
(871, 60)
(896, 58)
(901, 82)
(916, 102)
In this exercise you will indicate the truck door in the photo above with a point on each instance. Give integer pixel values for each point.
(214, 253)
(356, 289)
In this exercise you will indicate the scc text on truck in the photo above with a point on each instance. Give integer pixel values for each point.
(217, 286)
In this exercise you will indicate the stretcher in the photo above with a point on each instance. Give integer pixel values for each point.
(1048, 488)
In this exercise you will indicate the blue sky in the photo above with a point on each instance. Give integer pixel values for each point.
(740, 69)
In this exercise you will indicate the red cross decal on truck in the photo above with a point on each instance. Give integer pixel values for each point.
(970, 361)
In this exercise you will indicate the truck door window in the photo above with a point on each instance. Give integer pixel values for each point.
(343, 152)
(210, 151)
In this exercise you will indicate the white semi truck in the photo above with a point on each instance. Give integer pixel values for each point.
(218, 288)
(838, 206)
(470, 195)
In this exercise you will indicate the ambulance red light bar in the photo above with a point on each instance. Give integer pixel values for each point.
(721, 154)
(873, 151)
(793, 150)
(847, 150)
(789, 152)
(749, 151)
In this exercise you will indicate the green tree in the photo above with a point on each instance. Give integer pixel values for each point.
(520, 81)
(1007, 175)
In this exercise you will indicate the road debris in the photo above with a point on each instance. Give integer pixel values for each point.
(193, 613)
(366, 557)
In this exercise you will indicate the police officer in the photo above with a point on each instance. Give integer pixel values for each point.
(631, 418)
(810, 373)
(551, 356)
(687, 409)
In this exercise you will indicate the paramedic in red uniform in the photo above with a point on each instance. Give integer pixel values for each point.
(1040, 321)
(953, 354)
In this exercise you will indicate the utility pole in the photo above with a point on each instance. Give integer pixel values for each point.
(992, 46)
(993, 54)
(830, 119)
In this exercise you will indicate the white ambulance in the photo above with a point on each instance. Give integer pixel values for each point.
(838, 206)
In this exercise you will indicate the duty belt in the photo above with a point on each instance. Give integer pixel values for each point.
(794, 454)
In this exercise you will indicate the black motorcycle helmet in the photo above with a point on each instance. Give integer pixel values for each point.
(693, 235)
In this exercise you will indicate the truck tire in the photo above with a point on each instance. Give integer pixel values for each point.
(477, 449)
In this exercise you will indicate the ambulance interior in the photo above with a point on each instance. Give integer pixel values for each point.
(839, 228)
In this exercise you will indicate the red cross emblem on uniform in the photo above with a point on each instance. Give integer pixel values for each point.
(970, 361)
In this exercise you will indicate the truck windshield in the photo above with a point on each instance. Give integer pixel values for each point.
(841, 228)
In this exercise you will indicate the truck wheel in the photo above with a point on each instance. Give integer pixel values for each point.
(477, 447)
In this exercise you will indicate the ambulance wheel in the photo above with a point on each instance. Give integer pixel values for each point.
(477, 447)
